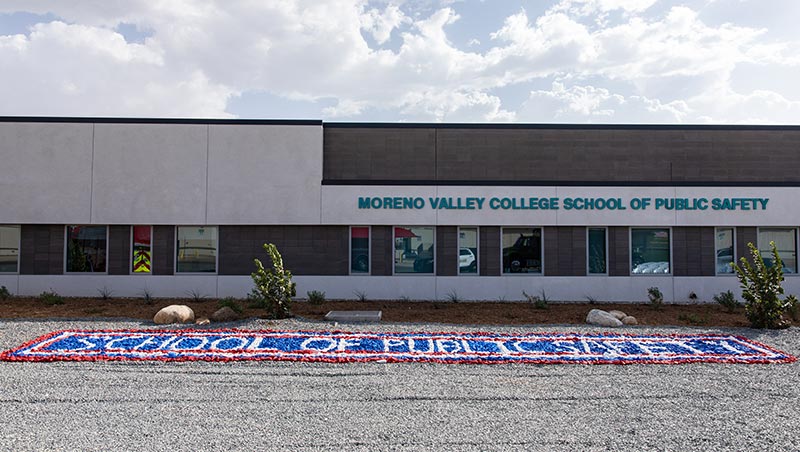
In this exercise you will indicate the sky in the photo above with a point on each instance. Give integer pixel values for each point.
(471, 61)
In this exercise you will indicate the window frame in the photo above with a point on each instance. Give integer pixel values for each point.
(477, 250)
(66, 249)
(19, 250)
(588, 251)
(630, 252)
(796, 244)
(394, 259)
(369, 250)
(541, 252)
(175, 251)
(716, 250)
(130, 258)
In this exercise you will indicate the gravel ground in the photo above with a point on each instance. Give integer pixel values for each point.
(372, 406)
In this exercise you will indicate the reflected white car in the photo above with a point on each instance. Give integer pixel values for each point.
(649, 268)
(466, 258)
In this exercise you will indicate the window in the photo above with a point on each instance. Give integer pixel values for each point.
(9, 249)
(522, 250)
(724, 251)
(650, 251)
(785, 243)
(468, 251)
(359, 250)
(597, 251)
(197, 249)
(141, 251)
(414, 249)
(86, 249)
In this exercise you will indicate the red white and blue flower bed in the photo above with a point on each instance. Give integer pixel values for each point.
(343, 347)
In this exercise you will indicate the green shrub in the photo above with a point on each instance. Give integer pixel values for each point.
(761, 289)
(230, 302)
(274, 288)
(4, 293)
(727, 300)
(51, 298)
(656, 297)
(316, 297)
(537, 301)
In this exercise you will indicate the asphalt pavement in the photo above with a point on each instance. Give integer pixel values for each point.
(376, 406)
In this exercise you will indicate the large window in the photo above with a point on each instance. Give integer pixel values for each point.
(86, 249)
(596, 251)
(414, 249)
(142, 250)
(197, 249)
(9, 249)
(785, 243)
(522, 250)
(359, 250)
(723, 245)
(468, 251)
(650, 251)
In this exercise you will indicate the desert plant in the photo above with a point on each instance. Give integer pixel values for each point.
(51, 298)
(316, 297)
(693, 319)
(196, 295)
(4, 293)
(656, 297)
(538, 302)
(794, 307)
(453, 297)
(727, 300)
(230, 302)
(761, 289)
(274, 288)
(590, 299)
(105, 293)
(146, 295)
(360, 295)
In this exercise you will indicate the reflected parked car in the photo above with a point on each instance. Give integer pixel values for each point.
(466, 260)
(649, 268)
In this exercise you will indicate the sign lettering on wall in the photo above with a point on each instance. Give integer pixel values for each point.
(556, 203)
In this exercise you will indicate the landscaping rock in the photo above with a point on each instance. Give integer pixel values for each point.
(602, 318)
(176, 313)
(618, 314)
(630, 320)
(224, 314)
(202, 321)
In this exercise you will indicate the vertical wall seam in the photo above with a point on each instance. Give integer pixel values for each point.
(208, 152)
(91, 180)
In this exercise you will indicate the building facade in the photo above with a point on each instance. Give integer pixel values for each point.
(393, 211)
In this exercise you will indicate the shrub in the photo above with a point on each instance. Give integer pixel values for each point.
(105, 293)
(453, 297)
(274, 288)
(316, 297)
(761, 289)
(230, 302)
(196, 296)
(656, 297)
(360, 295)
(148, 297)
(51, 298)
(537, 301)
(4, 293)
(727, 300)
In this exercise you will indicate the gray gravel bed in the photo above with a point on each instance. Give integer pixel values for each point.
(372, 406)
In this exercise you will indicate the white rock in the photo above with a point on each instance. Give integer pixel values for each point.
(602, 318)
(618, 314)
(630, 320)
(176, 313)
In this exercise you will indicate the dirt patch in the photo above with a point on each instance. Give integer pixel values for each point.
(473, 313)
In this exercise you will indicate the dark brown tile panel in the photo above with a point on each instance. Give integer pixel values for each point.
(489, 250)
(119, 250)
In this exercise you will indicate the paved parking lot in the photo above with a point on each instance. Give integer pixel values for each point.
(305, 406)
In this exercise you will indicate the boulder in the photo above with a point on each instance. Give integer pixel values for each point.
(630, 320)
(224, 314)
(176, 313)
(618, 314)
(602, 318)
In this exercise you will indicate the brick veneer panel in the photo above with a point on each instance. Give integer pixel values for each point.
(163, 261)
(619, 260)
(119, 250)
(306, 250)
(42, 249)
(489, 251)
(382, 251)
(745, 235)
(447, 250)
(565, 251)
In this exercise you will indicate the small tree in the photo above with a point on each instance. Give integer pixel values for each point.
(274, 288)
(761, 289)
